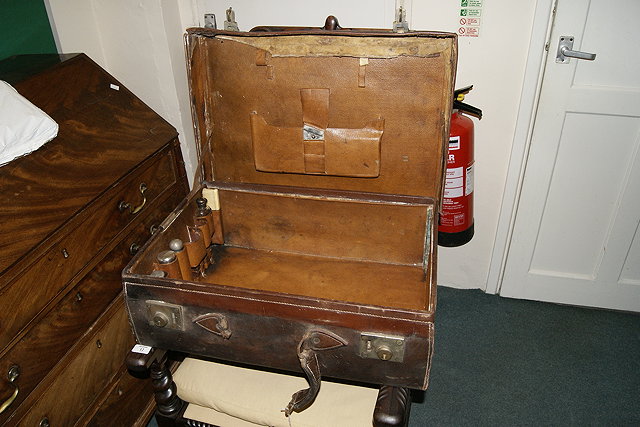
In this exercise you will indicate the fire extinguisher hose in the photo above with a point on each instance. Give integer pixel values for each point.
(469, 109)
(458, 97)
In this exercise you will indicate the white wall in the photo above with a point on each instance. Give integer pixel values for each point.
(494, 63)
(140, 43)
(76, 22)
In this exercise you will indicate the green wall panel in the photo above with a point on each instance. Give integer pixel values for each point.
(24, 28)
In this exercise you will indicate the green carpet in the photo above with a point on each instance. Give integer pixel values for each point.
(500, 361)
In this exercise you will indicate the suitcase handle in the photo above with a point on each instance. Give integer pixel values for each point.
(311, 343)
(330, 24)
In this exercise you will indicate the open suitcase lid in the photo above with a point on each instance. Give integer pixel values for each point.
(351, 110)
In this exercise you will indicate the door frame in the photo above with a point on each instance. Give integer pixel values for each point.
(529, 99)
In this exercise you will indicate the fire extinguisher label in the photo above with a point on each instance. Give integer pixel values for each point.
(454, 183)
(452, 193)
(454, 143)
(468, 189)
(457, 203)
(454, 172)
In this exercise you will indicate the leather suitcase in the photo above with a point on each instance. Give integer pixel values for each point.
(322, 165)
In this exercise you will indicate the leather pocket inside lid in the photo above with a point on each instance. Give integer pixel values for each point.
(341, 152)
(354, 152)
(276, 149)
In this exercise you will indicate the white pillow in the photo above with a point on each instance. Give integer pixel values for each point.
(23, 126)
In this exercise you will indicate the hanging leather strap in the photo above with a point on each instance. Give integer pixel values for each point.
(206, 157)
(311, 343)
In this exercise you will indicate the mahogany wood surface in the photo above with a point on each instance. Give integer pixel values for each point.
(77, 384)
(104, 134)
(122, 404)
(64, 240)
(80, 242)
(60, 328)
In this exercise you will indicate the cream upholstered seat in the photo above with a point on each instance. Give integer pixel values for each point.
(232, 396)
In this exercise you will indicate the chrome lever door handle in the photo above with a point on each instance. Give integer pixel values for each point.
(565, 51)
(577, 54)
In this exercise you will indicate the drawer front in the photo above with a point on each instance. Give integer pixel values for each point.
(52, 272)
(54, 334)
(128, 402)
(86, 376)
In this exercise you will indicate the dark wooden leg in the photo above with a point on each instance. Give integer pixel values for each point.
(169, 407)
(168, 404)
(392, 407)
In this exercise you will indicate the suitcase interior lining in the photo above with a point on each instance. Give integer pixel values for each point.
(341, 226)
(386, 285)
(316, 201)
(345, 246)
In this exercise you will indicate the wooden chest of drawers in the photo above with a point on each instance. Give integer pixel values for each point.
(71, 216)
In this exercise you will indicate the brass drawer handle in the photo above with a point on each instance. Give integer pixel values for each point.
(12, 375)
(123, 206)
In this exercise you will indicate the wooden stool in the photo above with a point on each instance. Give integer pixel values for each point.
(203, 393)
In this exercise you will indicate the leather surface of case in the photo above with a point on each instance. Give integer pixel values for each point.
(323, 156)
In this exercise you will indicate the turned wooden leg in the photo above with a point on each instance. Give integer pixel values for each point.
(392, 407)
(169, 407)
(164, 389)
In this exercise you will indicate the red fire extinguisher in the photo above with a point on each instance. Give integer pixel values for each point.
(456, 218)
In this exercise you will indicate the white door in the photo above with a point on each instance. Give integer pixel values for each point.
(576, 238)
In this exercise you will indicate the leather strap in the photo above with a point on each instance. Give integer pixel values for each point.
(315, 107)
(311, 343)
(205, 156)
(315, 113)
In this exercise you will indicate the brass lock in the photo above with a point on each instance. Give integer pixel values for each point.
(165, 315)
(382, 347)
(384, 352)
(160, 319)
